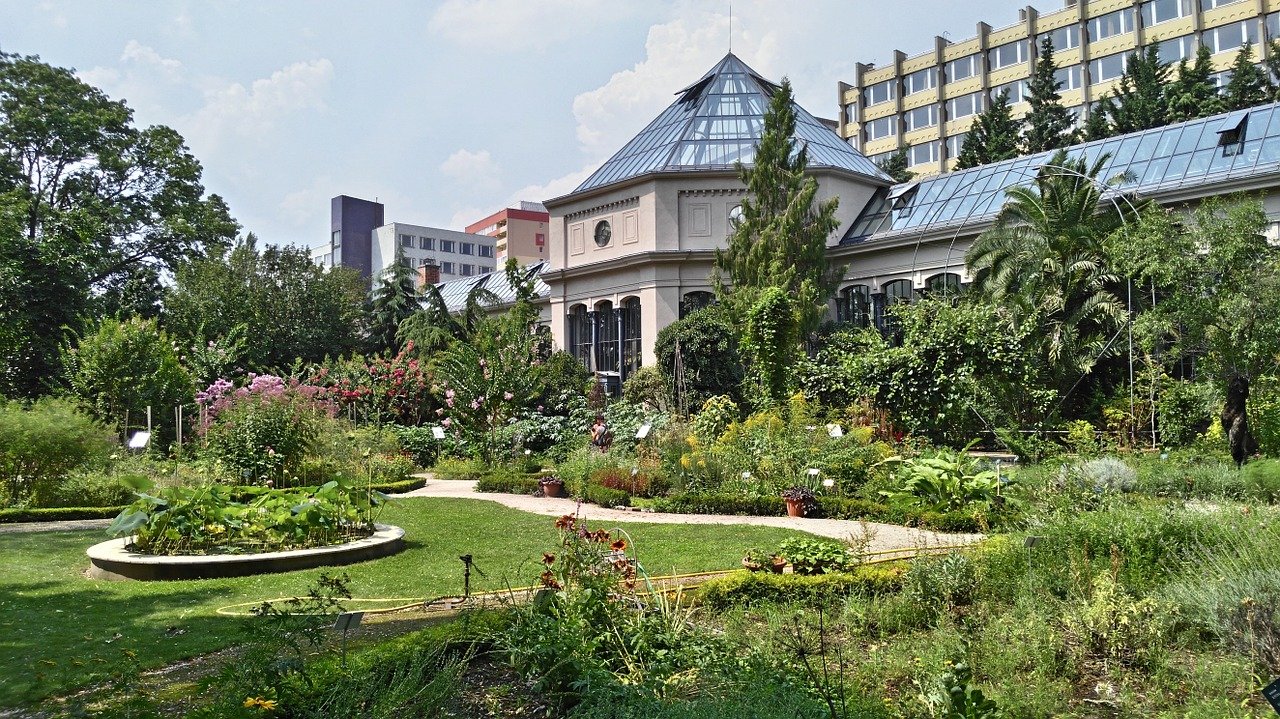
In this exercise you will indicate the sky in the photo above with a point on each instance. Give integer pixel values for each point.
(445, 111)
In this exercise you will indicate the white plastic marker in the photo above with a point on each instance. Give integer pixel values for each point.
(437, 432)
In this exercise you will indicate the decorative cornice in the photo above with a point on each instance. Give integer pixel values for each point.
(657, 257)
(608, 206)
(738, 191)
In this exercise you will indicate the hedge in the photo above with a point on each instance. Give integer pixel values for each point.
(404, 485)
(748, 588)
(508, 483)
(57, 514)
(828, 508)
(606, 497)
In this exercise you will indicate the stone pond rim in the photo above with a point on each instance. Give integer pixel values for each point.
(112, 560)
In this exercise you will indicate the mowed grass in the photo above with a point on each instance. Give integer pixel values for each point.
(59, 630)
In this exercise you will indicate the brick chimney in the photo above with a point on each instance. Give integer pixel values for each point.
(428, 274)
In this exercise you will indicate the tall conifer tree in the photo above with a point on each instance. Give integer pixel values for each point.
(1139, 101)
(781, 240)
(1249, 83)
(1193, 94)
(895, 165)
(1049, 124)
(395, 300)
(993, 137)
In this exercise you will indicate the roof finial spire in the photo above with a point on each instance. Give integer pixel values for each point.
(730, 27)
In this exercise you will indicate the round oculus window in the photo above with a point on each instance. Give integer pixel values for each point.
(735, 217)
(603, 233)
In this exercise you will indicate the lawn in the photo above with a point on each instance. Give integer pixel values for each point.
(59, 630)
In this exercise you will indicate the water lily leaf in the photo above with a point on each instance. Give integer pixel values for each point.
(128, 522)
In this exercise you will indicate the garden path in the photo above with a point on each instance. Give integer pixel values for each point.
(883, 537)
(64, 525)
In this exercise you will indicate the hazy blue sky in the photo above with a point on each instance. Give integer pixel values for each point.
(445, 111)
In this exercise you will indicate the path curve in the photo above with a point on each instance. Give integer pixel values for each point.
(883, 537)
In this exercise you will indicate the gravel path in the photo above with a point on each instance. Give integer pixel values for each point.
(68, 525)
(884, 537)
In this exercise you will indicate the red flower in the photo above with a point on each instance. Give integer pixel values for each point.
(618, 545)
(548, 558)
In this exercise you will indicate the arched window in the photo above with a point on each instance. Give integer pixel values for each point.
(580, 334)
(693, 301)
(853, 306)
(893, 293)
(945, 284)
(630, 336)
(607, 333)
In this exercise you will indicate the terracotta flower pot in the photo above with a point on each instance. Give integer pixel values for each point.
(795, 507)
(777, 564)
(553, 489)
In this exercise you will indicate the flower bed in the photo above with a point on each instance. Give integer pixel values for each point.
(829, 508)
(216, 519)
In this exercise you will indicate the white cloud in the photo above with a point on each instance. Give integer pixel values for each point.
(468, 215)
(471, 169)
(557, 187)
(236, 112)
(136, 53)
(300, 207)
(514, 25)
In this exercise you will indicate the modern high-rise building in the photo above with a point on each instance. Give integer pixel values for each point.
(360, 238)
(520, 232)
(928, 101)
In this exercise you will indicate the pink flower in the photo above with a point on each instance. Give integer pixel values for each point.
(439, 411)
(507, 396)
(446, 422)
(475, 404)
(449, 402)
(449, 394)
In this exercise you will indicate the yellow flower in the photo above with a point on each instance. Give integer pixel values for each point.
(686, 461)
(259, 702)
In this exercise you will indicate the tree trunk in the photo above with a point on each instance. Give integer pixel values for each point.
(1235, 420)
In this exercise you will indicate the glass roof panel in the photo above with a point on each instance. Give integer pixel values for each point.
(1178, 155)
(728, 105)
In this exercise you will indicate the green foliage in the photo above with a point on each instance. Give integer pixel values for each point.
(124, 367)
(948, 481)
(93, 212)
(895, 165)
(419, 442)
(646, 387)
(955, 697)
(715, 417)
(708, 358)
(968, 520)
(760, 588)
(264, 437)
(1192, 94)
(781, 240)
(40, 445)
(380, 390)
(815, 556)
(1216, 273)
(769, 342)
(1049, 124)
(290, 308)
(994, 135)
(1249, 84)
(57, 514)
(1261, 480)
(218, 519)
(1102, 475)
(1264, 415)
(941, 583)
(395, 299)
(1045, 266)
(1082, 437)
(1110, 624)
(507, 482)
(1139, 100)
(1185, 411)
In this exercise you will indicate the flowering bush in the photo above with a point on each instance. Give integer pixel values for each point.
(382, 390)
(262, 431)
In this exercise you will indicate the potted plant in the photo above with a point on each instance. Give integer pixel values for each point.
(551, 486)
(800, 501)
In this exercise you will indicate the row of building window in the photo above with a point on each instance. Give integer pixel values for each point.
(856, 305)
(1071, 77)
(463, 269)
(1218, 39)
(429, 243)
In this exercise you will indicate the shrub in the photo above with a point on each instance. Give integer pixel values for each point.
(941, 583)
(1082, 438)
(947, 481)
(262, 431)
(646, 388)
(972, 520)
(507, 482)
(1231, 590)
(40, 444)
(464, 469)
(606, 497)
(91, 488)
(749, 588)
(714, 418)
(633, 482)
(1105, 474)
(1185, 411)
(122, 368)
(709, 360)
(1261, 480)
(420, 443)
(1110, 624)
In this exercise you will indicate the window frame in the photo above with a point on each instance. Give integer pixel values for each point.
(1126, 24)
